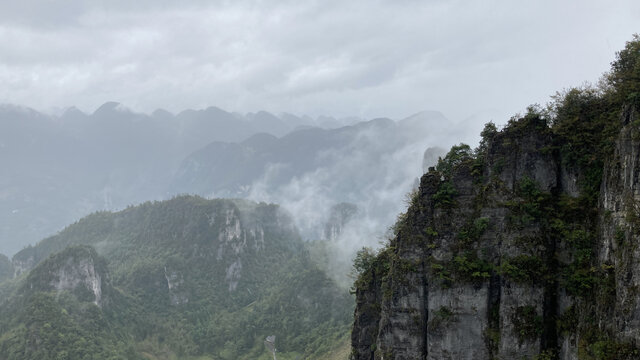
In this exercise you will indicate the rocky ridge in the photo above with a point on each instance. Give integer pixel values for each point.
(509, 253)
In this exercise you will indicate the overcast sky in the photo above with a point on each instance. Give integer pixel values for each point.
(365, 58)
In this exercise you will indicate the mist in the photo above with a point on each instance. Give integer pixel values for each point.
(60, 168)
(376, 172)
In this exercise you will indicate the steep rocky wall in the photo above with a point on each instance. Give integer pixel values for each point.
(77, 269)
(498, 257)
(6, 268)
(620, 234)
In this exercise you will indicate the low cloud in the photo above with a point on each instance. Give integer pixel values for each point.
(380, 58)
(375, 172)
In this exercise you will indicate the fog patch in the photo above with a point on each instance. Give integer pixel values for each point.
(374, 172)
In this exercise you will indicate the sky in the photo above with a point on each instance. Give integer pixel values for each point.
(484, 60)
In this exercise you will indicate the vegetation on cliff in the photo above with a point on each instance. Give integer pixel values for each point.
(521, 220)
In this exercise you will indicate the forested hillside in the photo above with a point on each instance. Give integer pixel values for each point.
(181, 278)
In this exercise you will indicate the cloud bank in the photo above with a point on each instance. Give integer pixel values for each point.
(365, 58)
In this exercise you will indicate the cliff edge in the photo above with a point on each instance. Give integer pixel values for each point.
(524, 248)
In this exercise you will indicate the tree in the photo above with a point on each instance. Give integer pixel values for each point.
(624, 77)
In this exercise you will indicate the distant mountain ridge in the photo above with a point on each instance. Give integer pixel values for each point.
(59, 168)
(310, 170)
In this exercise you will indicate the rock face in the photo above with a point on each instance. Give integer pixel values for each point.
(503, 254)
(619, 235)
(77, 269)
(180, 270)
(6, 268)
(21, 265)
(430, 157)
(175, 280)
(339, 215)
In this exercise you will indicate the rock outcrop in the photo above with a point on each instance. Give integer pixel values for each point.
(6, 268)
(211, 276)
(505, 253)
(339, 216)
(77, 269)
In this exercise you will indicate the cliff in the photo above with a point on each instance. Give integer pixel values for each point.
(77, 269)
(524, 248)
(506, 253)
(6, 268)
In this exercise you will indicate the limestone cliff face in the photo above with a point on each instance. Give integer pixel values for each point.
(619, 235)
(500, 256)
(6, 268)
(189, 235)
(77, 269)
(22, 265)
(339, 216)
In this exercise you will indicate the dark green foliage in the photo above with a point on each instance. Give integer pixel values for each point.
(441, 317)
(59, 327)
(585, 126)
(364, 260)
(597, 345)
(580, 280)
(444, 197)
(527, 323)
(619, 236)
(524, 269)
(473, 231)
(444, 312)
(465, 267)
(563, 220)
(568, 321)
(486, 136)
(429, 231)
(549, 354)
(624, 78)
(469, 267)
(612, 350)
(587, 120)
(442, 272)
(458, 155)
(531, 205)
(536, 119)
(227, 293)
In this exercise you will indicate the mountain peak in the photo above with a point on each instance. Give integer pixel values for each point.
(161, 114)
(73, 113)
(426, 115)
(110, 107)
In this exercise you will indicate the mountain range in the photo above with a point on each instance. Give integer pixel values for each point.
(61, 168)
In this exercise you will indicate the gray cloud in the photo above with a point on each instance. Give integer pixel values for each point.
(366, 58)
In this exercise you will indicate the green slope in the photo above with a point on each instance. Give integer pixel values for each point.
(183, 278)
